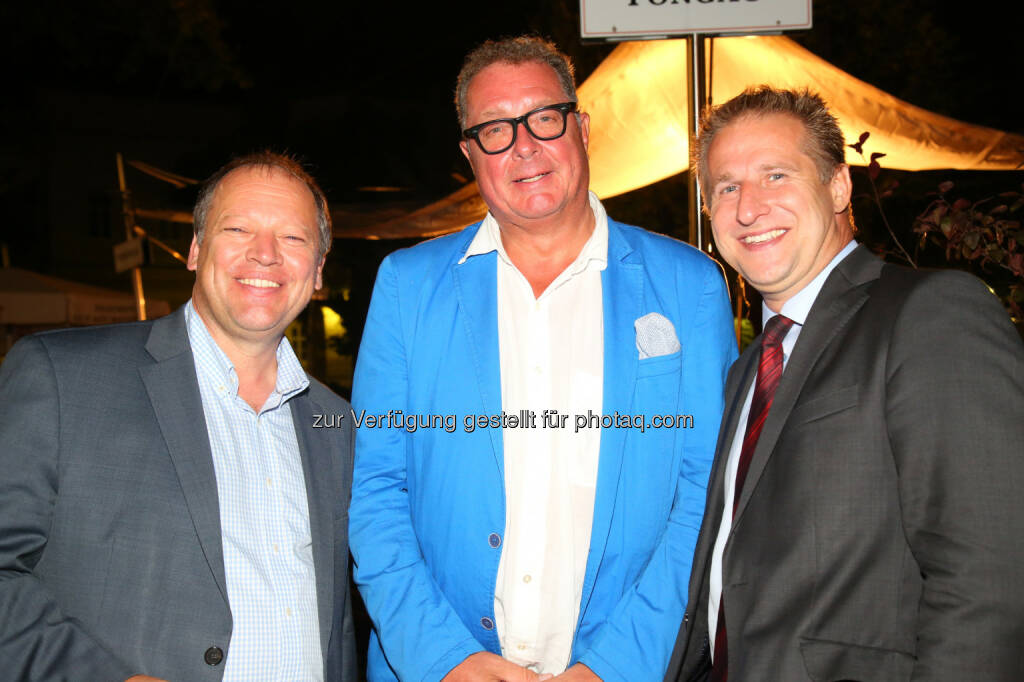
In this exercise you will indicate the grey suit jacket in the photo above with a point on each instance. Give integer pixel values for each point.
(879, 535)
(111, 562)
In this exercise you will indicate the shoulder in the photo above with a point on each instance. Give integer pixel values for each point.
(943, 292)
(115, 341)
(325, 397)
(439, 251)
(940, 310)
(661, 251)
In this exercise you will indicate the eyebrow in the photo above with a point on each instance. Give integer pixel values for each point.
(763, 168)
(497, 115)
(778, 165)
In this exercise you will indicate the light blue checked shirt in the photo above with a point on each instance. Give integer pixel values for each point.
(264, 517)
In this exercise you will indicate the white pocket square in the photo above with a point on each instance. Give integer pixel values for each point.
(655, 336)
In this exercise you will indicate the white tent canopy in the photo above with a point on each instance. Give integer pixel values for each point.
(28, 298)
(639, 131)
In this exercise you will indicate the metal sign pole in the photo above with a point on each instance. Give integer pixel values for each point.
(696, 98)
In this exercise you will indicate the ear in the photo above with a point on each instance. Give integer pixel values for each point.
(318, 280)
(585, 129)
(193, 255)
(841, 188)
(464, 146)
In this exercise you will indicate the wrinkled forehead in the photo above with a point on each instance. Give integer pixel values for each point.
(508, 80)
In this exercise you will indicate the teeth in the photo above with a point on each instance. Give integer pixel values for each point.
(763, 237)
(535, 178)
(260, 283)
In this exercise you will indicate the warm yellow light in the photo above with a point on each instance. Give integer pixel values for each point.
(332, 323)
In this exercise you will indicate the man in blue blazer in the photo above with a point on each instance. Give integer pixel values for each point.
(537, 399)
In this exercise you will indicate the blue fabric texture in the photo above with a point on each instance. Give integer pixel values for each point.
(427, 501)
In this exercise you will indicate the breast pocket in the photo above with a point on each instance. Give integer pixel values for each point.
(663, 364)
(820, 405)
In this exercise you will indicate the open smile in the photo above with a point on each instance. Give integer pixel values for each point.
(259, 283)
(534, 178)
(763, 236)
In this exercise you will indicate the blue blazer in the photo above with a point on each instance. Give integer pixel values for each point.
(428, 509)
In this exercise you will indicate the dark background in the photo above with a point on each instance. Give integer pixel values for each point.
(362, 92)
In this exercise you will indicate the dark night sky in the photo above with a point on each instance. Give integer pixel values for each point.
(362, 90)
(385, 69)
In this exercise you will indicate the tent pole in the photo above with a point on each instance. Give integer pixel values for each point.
(129, 230)
(695, 101)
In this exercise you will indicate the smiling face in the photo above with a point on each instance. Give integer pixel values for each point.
(259, 262)
(536, 182)
(773, 218)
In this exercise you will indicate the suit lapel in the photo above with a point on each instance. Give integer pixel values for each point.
(174, 393)
(622, 303)
(840, 298)
(741, 376)
(476, 286)
(322, 488)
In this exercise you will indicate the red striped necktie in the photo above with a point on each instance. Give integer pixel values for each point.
(769, 371)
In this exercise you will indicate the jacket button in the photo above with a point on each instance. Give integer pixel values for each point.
(494, 540)
(487, 623)
(213, 655)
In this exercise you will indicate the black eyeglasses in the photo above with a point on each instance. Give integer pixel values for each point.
(544, 123)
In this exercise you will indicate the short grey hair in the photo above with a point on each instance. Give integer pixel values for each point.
(518, 50)
(266, 160)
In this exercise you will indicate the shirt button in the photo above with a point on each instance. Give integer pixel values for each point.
(527, 578)
(213, 656)
(276, 548)
(494, 540)
(288, 612)
(521, 647)
(486, 623)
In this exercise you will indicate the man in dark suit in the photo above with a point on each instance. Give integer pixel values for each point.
(167, 508)
(863, 518)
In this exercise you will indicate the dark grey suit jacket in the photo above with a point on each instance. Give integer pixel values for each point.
(880, 533)
(111, 562)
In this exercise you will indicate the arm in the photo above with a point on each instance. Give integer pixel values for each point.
(37, 640)
(636, 641)
(955, 402)
(422, 636)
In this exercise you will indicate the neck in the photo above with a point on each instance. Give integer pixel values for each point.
(542, 252)
(255, 362)
(256, 368)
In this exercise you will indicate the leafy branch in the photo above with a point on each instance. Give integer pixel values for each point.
(873, 170)
(986, 233)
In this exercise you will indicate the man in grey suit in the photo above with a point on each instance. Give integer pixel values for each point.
(167, 508)
(863, 519)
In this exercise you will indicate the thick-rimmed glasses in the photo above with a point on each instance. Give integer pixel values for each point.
(543, 123)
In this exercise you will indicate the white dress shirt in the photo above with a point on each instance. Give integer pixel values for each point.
(264, 517)
(796, 309)
(552, 355)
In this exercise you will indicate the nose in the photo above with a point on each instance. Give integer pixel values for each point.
(263, 248)
(751, 204)
(525, 144)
